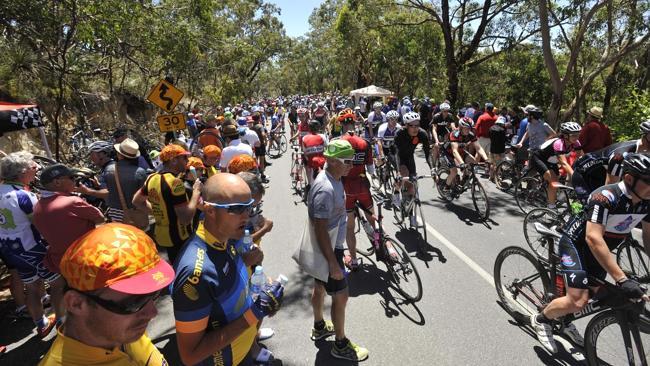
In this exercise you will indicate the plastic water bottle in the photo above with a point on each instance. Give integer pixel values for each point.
(257, 280)
(248, 240)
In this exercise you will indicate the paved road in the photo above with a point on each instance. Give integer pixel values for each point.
(457, 322)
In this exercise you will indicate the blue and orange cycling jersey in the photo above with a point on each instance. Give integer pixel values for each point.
(211, 291)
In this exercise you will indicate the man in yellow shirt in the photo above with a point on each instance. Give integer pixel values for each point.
(110, 299)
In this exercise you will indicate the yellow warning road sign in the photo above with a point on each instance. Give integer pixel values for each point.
(165, 96)
(171, 122)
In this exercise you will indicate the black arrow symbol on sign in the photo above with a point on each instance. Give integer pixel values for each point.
(163, 90)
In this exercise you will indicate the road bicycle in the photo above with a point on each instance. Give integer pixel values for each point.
(510, 171)
(466, 179)
(384, 179)
(630, 255)
(525, 284)
(403, 272)
(531, 192)
(277, 143)
(410, 207)
(298, 178)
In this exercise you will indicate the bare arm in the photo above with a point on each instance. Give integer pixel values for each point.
(601, 252)
(140, 201)
(195, 347)
(185, 212)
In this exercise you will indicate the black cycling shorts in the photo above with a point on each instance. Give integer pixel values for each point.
(333, 286)
(578, 262)
(542, 166)
(260, 151)
(408, 162)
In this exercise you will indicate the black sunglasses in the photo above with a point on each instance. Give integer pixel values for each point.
(130, 306)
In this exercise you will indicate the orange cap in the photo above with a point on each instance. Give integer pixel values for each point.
(119, 256)
(171, 151)
(195, 162)
(212, 151)
(241, 163)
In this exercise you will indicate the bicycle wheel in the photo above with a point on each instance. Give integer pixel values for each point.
(375, 179)
(273, 150)
(480, 199)
(421, 224)
(364, 247)
(605, 345)
(293, 174)
(633, 260)
(504, 175)
(535, 240)
(521, 283)
(283, 144)
(389, 181)
(403, 273)
(444, 193)
(398, 211)
(530, 193)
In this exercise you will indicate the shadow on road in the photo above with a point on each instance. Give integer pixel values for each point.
(413, 242)
(324, 357)
(370, 280)
(24, 347)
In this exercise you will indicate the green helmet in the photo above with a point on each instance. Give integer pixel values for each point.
(339, 149)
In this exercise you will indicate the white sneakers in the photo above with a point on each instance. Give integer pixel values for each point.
(544, 334)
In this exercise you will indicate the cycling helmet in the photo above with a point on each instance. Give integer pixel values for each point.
(302, 110)
(320, 105)
(645, 127)
(637, 164)
(339, 149)
(570, 128)
(445, 107)
(101, 146)
(501, 120)
(377, 105)
(411, 117)
(392, 114)
(340, 107)
(407, 103)
(466, 122)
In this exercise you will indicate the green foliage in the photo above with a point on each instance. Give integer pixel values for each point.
(630, 112)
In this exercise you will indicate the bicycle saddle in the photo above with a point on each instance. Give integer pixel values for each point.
(546, 231)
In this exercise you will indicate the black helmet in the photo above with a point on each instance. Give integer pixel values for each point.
(314, 125)
(645, 127)
(637, 165)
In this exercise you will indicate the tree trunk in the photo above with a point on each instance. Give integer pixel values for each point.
(610, 83)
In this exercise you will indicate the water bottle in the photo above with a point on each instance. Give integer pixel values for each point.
(248, 240)
(257, 280)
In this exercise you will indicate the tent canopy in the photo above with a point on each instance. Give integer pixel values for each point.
(371, 91)
(16, 117)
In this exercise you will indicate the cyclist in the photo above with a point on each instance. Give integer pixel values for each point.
(612, 211)
(303, 125)
(101, 155)
(321, 113)
(442, 124)
(554, 152)
(293, 118)
(313, 146)
(333, 125)
(406, 140)
(386, 136)
(458, 150)
(375, 118)
(356, 185)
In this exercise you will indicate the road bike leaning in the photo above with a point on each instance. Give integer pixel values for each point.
(466, 179)
(618, 334)
(402, 271)
(410, 207)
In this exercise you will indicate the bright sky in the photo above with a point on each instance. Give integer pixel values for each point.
(295, 14)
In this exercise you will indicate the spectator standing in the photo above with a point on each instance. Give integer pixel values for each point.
(326, 207)
(122, 134)
(21, 244)
(101, 155)
(110, 299)
(497, 144)
(61, 217)
(216, 318)
(483, 124)
(131, 178)
(595, 135)
(537, 131)
(164, 194)
(211, 156)
(234, 146)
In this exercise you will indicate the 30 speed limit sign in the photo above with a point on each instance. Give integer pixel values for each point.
(171, 122)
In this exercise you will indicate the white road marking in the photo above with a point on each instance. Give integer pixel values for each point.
(459, 253)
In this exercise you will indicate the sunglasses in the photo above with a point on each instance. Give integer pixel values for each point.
(128, 306)
(233, 208)
(645, 180)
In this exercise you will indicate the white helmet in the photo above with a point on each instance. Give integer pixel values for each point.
(411, 117)
(377, 105)
(445, 107)
(392, 114)
(570, 127)
(501, 120)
